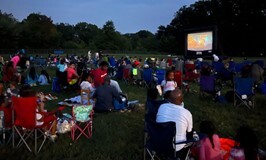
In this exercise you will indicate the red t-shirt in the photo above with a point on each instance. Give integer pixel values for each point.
(71, 73)
(99, 76)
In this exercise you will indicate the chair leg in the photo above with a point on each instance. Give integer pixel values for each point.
(35, 141)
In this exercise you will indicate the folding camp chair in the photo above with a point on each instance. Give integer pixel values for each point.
(207, 85)
(160, 75)
(178, 78)
(160, 141)
(190, 74)
(25, 123)
(82, 118)
(244, 92)
(148, 77)
(126, 75)
(217, 66)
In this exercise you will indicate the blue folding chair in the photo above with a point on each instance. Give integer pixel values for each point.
(207, 85)
(232, 66)
(160, 74)
(217, 66)
(160, 140)
(244, 92)
(148, 77)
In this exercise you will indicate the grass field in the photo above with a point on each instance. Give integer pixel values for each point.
(119, 136)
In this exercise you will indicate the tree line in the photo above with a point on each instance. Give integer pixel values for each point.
(240, 30)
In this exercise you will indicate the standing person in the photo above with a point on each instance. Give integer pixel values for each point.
(246, 147)
(174, 111)
(168, 84)
(209, 147)
(100, 73)
(15, 60)
(105, 95)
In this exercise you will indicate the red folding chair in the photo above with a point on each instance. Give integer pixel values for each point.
(126, 75)
(190, 75)
(82, 118)
(178, 77)
(25, 125)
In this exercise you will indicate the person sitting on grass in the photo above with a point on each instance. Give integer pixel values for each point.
(32, 77)
(104, 96)
(44, 78)
(87, 84)
(246, 147)
(209, 147)
(100, 73)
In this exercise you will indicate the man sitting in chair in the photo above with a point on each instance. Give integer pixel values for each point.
(174, 111)
(104, 96)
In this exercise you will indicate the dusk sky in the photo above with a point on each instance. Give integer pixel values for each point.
(129, 16)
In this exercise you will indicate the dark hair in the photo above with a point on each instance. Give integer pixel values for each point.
(62, 61)
(85, 76)
(32, 73)
(46, 75)
(107, 80)
(103, 63)
(208, 128)
(168, 73)
(27, 91)
(9, 64)
(246, 139)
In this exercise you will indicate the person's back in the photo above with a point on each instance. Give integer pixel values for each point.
(246, 145)
(174, 111)
(104, 97)
(207, 152)
(43, 80)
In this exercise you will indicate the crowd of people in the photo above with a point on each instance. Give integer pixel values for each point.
(106, 95)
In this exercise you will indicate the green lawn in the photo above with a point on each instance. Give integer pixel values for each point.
(119, 136)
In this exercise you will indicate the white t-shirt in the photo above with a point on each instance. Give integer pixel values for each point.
(168, 85)
(116, 85)
(169, 112)
(87, 85)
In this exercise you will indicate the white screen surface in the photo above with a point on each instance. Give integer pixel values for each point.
(201, 41)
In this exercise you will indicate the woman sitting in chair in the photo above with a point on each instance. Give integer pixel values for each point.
(26, 91)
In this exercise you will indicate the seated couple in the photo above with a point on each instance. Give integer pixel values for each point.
(108, 97)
